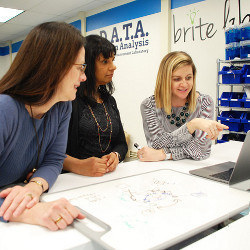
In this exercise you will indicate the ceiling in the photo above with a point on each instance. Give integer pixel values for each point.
(39, 11)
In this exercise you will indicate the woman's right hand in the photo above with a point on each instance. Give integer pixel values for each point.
(53, 215)
(212, 128)
(18, 198)
(93, 166)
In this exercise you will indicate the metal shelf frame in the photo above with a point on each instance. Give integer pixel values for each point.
(219, 84)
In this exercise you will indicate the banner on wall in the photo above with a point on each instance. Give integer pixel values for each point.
(125, 27)
(129, 38)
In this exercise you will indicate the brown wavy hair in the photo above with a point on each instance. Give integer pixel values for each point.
(44, 58)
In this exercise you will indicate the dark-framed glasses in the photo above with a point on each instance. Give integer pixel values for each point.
(83, 67)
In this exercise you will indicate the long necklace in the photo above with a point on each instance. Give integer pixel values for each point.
(181, 118)
(109, 122)
(39, 145)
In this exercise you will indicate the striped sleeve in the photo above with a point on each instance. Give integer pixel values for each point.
(179, 142)
(199, 147)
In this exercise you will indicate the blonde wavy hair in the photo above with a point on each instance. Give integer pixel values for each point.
(170, 63)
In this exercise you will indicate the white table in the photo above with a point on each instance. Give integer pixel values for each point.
(22, 236)
(234, 236)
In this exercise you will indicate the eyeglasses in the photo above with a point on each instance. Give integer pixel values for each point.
(83, 67)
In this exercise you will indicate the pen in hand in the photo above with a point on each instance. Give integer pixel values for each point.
(137, 146)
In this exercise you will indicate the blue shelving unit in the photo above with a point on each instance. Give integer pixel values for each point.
(232, 102)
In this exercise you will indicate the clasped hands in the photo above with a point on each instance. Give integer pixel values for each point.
(96, 167)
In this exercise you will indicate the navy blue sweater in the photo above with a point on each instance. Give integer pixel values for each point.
(18, 144)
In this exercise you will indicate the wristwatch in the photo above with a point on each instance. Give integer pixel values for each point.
(168, 156)
(38, 183)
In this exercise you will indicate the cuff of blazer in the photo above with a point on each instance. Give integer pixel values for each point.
(1, 218)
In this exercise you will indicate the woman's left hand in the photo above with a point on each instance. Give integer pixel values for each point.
(18, 198)
(151, 154)
(112, 161)
(212, 128)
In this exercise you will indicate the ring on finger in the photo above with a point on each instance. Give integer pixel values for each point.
(58, 219)
(30, 195)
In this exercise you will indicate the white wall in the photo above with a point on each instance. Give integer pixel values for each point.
(4, 64)
(208, 42)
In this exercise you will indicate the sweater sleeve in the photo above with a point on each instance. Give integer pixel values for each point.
(199, 147)
(179, 142)
(1, 218)
(7, 122)
(52, 163)
(120, 144)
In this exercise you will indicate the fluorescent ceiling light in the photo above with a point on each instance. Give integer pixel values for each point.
(6, 14)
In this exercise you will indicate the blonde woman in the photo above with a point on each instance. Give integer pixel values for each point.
(177, 120)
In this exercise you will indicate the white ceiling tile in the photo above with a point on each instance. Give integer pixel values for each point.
(12, 29)
(19, 4)
(58, 18)
(39, 11)
(56, 7)
(30, 18)
(4, 38)
(91, 5)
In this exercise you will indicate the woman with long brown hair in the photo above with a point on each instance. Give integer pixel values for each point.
(35, 110)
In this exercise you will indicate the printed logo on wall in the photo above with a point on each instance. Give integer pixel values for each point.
(198, 29)
(234, 13)
(128, 38)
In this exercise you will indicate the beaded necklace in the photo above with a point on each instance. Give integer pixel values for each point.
(109, 122)
(181, 118)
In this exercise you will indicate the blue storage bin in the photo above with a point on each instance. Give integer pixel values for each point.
(233, 34)
(236, 50)
(246, 76)
(227, 35)
(231, 137)
(232, 50)
(236, 99)
(233, 74)
(229, 51)
(232, 119)
(246, 121)
(245, 32)
(246, 101)
(244, 49)
(225, 98)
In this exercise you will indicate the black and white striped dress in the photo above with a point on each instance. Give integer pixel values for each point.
(161, 134)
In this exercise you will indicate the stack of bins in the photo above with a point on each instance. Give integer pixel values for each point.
(232, 119)
(235, 74)
(237, 41)
(245, 40)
